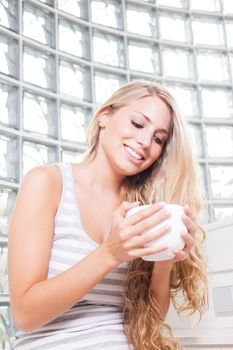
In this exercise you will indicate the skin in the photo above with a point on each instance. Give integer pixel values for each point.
(31, 235)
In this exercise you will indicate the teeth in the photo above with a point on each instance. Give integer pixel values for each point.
(133, 153)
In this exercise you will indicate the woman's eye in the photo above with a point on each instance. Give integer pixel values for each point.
(139, 126)
(158, 141)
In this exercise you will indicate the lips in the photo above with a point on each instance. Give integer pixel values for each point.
(134, 153)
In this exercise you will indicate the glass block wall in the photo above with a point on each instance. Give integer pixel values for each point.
(60, 58)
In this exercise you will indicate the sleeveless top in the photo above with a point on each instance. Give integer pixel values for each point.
(95, 322)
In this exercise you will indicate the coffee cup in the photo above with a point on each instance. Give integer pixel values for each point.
(172, 238)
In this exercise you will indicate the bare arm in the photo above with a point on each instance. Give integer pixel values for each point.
(160, 284)
(36, 300)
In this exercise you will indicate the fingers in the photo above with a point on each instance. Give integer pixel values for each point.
(121, 211)
(188, 212)
(142, 240)
(144, 213)
(144, 225)
(189, 222)
(188, 239)
(135, 253)
(179, 255)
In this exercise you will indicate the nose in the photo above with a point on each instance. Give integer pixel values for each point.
(144, 140)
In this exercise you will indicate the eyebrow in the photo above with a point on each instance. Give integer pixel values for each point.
(149, 120)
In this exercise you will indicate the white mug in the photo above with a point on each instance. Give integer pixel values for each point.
(172, 238)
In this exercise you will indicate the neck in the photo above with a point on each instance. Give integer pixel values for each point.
(100, 177)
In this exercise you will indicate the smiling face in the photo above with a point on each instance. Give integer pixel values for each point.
(132, 138)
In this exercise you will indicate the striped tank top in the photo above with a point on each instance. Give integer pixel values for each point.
(95, 322)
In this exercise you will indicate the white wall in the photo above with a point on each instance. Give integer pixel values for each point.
(216, 328)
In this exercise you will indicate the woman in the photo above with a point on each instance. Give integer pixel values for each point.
(77, 280)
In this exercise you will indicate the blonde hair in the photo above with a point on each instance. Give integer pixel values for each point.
(172, 178)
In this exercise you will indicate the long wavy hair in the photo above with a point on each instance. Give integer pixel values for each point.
(172, 178)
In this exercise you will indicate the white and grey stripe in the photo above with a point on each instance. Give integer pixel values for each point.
(95, 322)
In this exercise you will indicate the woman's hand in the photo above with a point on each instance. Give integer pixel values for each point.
(125, 241)
(189, 239)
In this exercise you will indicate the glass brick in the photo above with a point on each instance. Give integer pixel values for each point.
(38, 24)
(231, 63)
(75, 80)
(7, 199)
(144, 16)
(8, 14)
(202, 180)
(72, 156)
(212, 66)
(175, 27)
(9, 105)
(143, 57)
(227, 6)
(9, 155)
(221, 180)
(39, 115)
(172, 3)
(217, 103)
(186, 98)
(9, 56)
(229, 32)
(78, 43)
(76, 8)
(196, 139)
(6, 328)
(35, 154)
(207, 5)
(107, 12)
(74, 122)
(48, 2)
(207, 31)
(106, 84)
(178, 63)
(223, 212)
(108, 49)
(39, 68)
(3, 270)
(219, 140)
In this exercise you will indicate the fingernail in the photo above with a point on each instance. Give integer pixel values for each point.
(136, 203)
(161, 204)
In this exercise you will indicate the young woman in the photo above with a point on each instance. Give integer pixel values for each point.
(76, 273)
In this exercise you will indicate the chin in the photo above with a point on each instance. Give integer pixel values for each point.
(127, 170)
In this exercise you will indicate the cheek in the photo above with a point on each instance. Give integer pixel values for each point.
(110, 139)
(156, 152)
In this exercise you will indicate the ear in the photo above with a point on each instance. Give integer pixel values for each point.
(104, 117)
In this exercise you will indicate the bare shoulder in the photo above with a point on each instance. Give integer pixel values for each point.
(47, 173)
(43, 181)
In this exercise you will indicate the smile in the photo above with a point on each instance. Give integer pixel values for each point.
(133, 153)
